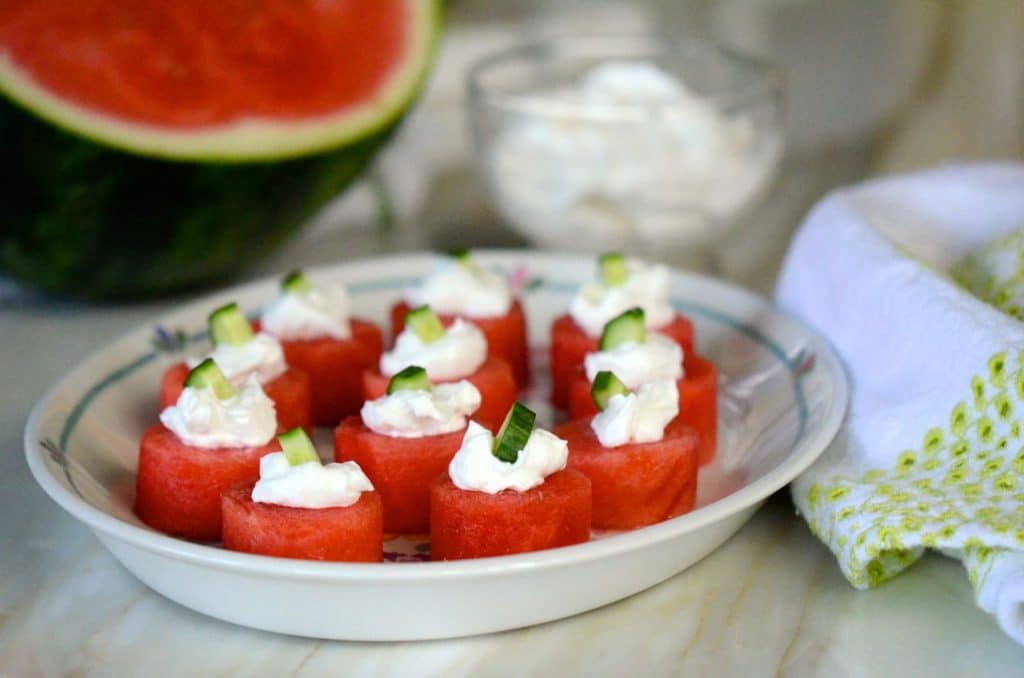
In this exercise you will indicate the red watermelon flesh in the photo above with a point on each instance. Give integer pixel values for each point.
(338, 533)
(194, 63)
(570, 344)
(469, 524)
(698, 402)
(506, 336)
(401, 469)
(178, 486)
(335, 368)
(636, 484)
(493, 379)
(290, 392)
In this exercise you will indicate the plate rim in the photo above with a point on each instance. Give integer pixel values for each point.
(806, 450)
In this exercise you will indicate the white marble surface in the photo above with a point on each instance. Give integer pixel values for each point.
(769, 602)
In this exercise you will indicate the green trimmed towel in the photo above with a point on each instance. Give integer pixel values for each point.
(918, 281)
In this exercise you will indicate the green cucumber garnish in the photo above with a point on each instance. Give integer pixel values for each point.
(606, 385)
(514, 433)
(297, 447)
(296, 282)
(613, 269)
(228, 325)
(207, 375)
(412, 378)
(625, 327)
(459, 254)
(425, 324)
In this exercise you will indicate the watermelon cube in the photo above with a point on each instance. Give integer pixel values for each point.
(338, 533)
(470, 524)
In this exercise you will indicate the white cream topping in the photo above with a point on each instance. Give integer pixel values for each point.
(457, 354)
(638, 417)
(416, 414)
(475, 467)
(262, 357)
(638, 363)
(456, 288)
(200, 419)
(311, 485)
(309, 315)
(647, 286)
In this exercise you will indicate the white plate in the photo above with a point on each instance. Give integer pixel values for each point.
(783, 396)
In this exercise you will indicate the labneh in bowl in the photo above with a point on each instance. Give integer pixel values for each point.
(651, 145)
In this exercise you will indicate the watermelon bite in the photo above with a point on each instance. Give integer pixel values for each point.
(289, 391)
(401, 469)
(162, 144)
(470, 524)
(178, 486)
(493, 379)
(698, 402)
(636, 484)
(506, 336)
(570, 344)
(340, 533)
(335, 368)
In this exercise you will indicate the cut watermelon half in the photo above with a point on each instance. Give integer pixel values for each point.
(227, 80)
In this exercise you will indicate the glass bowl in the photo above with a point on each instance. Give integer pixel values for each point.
(584, 145)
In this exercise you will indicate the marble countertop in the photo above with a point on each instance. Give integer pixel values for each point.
(769, 602)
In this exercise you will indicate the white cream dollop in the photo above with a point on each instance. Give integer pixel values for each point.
(638, 363)
(262, 357)
(311, 485)
(638, 417)
(457, 288)
(647, 286)
(459, 353)
(309, 315)
(475, 467)
(200, 419)
(416, 414)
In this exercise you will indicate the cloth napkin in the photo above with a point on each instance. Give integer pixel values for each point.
(932, 451)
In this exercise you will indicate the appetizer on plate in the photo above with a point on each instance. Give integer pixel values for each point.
(209, 440)
(448, 354)
(240, 353)
(460, 288)
(624, 284)
(637, 355)
(301, 508)
(641, 460)
(405, 439)
(509, 493)
(321, 339)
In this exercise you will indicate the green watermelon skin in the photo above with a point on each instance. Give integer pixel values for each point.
(86, 220)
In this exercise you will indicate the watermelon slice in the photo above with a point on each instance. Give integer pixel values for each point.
(698, 402)
(636, 484)
(341, 533)
(570, 344)
(401, 469)
(290, 393)
(469, 524)
(165, 143)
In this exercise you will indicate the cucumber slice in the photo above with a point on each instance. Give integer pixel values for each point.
(606, 385)
(514, 433)
(625, 327)
(297, 447)
(228, 325)
(207, 375)
(425, 324)
(613, 269)
(296, 282)
(459, 254)
(412, 378)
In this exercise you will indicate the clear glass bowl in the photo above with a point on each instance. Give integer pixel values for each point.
(614, 164)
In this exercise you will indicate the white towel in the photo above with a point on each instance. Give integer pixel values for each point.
(932, 452)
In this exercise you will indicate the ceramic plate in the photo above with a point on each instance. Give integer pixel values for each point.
(782, 397)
